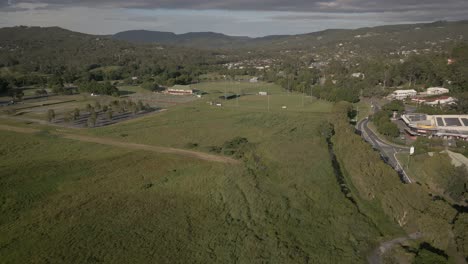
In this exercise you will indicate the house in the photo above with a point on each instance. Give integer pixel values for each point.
(180, 90)
(437, 91)
(403, 94)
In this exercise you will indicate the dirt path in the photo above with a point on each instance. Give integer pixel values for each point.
(458, 159)
(112, 142)
(377, 254)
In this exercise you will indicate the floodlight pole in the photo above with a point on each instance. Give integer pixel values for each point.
(268, 98)
(238, 94)
(407, 166)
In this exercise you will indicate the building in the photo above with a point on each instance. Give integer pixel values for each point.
(403, 94)
(442, 100)
(358, 75)
(437, 91)
(438, 125)
(228, 96)
(180, 90)
(263, 93)
(254, 80)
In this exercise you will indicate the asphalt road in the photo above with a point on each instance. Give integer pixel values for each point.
(387, 150)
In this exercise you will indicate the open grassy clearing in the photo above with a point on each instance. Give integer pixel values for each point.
(251, 100)
(72, 201)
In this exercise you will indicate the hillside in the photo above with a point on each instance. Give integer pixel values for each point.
(192, 39)
(384, 37)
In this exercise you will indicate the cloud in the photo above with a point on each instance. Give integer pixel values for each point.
(234, 17)
(341, 6)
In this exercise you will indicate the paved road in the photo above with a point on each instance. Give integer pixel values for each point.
(387, 150)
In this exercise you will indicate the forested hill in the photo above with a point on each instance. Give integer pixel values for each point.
(384, 37)
(193, 39)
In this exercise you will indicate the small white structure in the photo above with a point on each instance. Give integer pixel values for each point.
(437, 91)
(254, 80)
(403, 94)
(358, 75)
(134, 78)
(263, 93)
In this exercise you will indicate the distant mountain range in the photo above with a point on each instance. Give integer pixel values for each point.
(209, 39)
(438, 36)
(406, 33)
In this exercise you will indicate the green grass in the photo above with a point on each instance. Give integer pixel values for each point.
(438, 174)
(364, 110)
(129, 89)
(67, 201)
(251, 100)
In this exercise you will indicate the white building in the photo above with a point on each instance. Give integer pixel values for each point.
(358, 75)
(254, 80)
(438, 125)
(442, 101)
(437, 91)
(180, 90)
(403, 94)
(262, 93)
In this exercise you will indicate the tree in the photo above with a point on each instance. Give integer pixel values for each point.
(109, 115)
(150, 86)
(89, 108)
(76, 113)
(140, 106)
(97, 106)
(91, 121)
(50, 115)
(41, 92)
(4, 85)
(16, 94)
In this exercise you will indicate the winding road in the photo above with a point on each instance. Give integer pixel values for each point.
(387, 150)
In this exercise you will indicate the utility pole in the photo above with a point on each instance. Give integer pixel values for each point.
(238, 94)
(268, 98)
(303, 98)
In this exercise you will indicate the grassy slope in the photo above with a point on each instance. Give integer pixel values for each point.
(376, 185)
(68, 201)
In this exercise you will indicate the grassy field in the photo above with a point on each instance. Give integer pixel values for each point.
(65, 201)
(437, 173)
(251, 100)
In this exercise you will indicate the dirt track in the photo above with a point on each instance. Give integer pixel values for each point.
(112, 142)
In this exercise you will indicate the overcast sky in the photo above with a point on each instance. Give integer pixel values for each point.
(232, 17)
